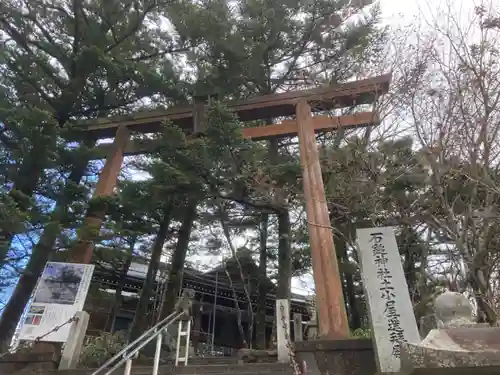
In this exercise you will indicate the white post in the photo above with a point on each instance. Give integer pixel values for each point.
(128, 367)
(73, 347)
(188, 343)
(282, 329)
(178, 348)
(186, 334)
(156, 363)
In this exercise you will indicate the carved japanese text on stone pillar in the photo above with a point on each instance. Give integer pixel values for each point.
(386, 291)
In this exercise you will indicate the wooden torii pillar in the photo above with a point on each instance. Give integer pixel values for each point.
(333, 323)
(83, 249)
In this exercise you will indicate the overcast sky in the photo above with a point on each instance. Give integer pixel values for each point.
(392, 8)
(402, 11)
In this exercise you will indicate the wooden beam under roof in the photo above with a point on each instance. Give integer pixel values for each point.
(322, 124)
(255, 108)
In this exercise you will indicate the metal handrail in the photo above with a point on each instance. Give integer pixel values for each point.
(131, 350)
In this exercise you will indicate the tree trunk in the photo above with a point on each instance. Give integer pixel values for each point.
(24, 186)
(284, 257)
(121, 283)
(410, 272)
(409, 269)
(239, 318)
(196, 330)
(141, 311)
(480, 288)
(284, 250)
(349, 288)
(174, 283)
(284, 266)
(260, 334)
(39, 256)
(246, 286)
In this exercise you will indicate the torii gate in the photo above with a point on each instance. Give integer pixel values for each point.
(333, 322)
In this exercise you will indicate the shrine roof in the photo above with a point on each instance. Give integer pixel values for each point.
(209, 279)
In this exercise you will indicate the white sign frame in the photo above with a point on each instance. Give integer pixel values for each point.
(59, 295)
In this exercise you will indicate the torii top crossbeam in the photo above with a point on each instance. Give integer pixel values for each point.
(256, 108)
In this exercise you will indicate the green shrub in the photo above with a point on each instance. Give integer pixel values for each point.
(361, 333)
(98, 349)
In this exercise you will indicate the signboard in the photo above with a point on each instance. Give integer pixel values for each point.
(60, 293)
(386, 291)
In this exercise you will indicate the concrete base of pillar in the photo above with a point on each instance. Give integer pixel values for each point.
(342, 357)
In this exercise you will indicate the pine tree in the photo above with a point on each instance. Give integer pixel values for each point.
(65, 62)
(262, 47)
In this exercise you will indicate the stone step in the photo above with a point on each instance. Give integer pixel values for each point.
(208, 360)
(212, 369)
(136, 370)
(212, 360)
(247, 368)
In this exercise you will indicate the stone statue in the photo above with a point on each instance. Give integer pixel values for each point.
(453, 310)
(311, 329)
(458, 343)
(185, 302)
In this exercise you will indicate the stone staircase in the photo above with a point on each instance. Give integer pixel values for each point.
(243, 369)
(201, 366)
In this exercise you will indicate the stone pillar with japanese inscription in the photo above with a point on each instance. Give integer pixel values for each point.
(283, 329)
(386, 291)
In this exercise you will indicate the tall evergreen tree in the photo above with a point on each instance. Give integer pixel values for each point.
(262, 47)
(64, 62)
